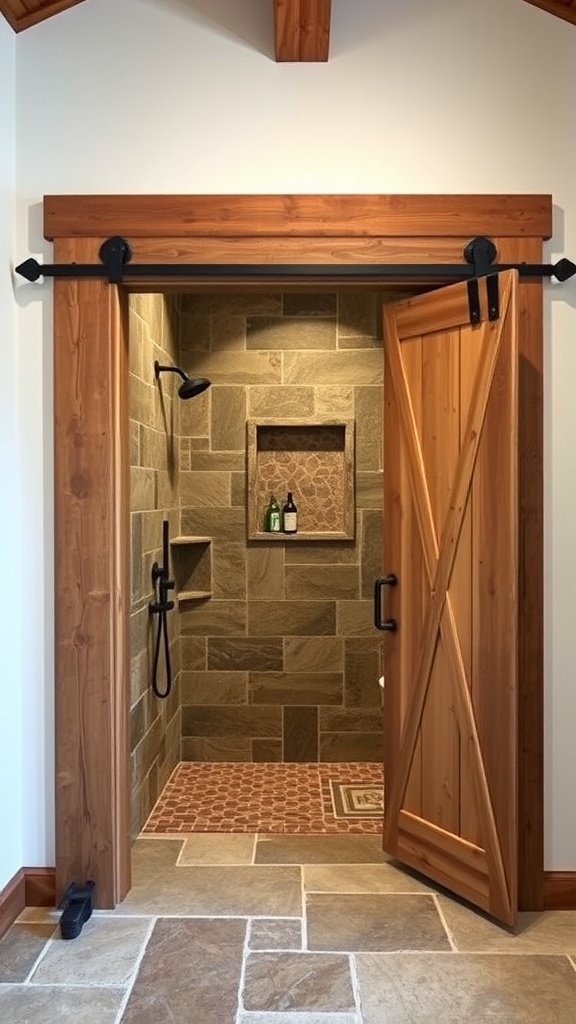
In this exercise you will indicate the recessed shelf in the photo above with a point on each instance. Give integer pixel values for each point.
(314, 459)
(191, 557)
(193, 595)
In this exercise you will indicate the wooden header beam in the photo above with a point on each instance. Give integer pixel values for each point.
(301, 30)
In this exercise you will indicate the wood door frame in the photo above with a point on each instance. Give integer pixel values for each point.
(91, 463)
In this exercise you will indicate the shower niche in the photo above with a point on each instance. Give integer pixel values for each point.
(312, 458)
(192, 567)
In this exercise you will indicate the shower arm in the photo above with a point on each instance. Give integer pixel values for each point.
(158, 369)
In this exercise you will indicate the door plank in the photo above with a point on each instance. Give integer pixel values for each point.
(448, 464)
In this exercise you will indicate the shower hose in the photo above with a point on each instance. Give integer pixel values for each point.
(162, 631)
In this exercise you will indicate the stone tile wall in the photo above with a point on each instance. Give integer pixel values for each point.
(154, 440)
(282, 661)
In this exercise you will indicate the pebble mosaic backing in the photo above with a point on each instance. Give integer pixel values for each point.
(263, 798)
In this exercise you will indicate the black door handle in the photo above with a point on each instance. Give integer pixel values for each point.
(389, 625)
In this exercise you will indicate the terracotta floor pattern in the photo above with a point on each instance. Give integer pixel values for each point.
(263, 798)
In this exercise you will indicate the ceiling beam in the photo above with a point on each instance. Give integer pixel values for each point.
(301, 30)
(20, 16)
(566, 11)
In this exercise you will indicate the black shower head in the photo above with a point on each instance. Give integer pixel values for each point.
(191, 387)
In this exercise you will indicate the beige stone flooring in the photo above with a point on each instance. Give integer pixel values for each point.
(286, 929)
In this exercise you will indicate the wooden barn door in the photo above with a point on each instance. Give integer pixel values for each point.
(451, 539)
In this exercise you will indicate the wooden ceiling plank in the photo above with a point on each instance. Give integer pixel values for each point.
(301, 30)
(23, 15)
(566, 11)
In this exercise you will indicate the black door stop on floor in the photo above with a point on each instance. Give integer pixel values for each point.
(76, 905)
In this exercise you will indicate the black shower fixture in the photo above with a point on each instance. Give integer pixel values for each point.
(191, 387)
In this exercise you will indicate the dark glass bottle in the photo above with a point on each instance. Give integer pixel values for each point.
(289, 515)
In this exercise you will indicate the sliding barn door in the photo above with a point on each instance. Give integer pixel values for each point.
(451, 540)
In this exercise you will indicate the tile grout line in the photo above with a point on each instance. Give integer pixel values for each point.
(245, 952)
(40, 957)
(444, 923)
(132, 980)
(356, 987)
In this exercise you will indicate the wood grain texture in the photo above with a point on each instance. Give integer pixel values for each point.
(446, 465)
(12, 901)
(559, 890)
(91, 618)
(420, 229)
(21, 14)
(302, 30)
(316, 216)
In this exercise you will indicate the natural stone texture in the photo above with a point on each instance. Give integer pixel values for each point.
(194, 332)
(218, 848)
(336, 401)
(58, 1004)
(335, 719)
(321, 553)
(370, 490)
(281, 402)
(297, 981)
(358, 314)
(369, 410)
(217, 891)
(195, 415)
(229, 570)
(213, 618)
(362, 667)
(430, 987)
(243, 368)
(313, 654)
(199, 490)
(295, 687)
(319, 849)
(106, 954)
(549, 932)
(222, 462)
(292, 618)
(142, 488)
(371, 567)
(216, 748)
(236, 721)
(134, 443)
(213, 961)
(228, 419)
(234, 303)
(221, 524)
(379, 922)
(228, 332)
(238, 489)
(310, 304)
(300, 734)
(266, 571)
(351, 746)
(245, 653)
(363, 878)
(275, 933)
(193, 653)
(289, 333)
(266, 751)
(306, 582)
(20, 949)
(355, 618)
(334, 368)
(213, 687)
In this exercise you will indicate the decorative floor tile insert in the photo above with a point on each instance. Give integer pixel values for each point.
(353, 801)
(265, 797)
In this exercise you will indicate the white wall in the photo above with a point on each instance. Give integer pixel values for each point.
(11, 671)
(184, 96)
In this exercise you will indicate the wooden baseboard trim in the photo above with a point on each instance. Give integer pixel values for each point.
(560, 890)
(30, 887)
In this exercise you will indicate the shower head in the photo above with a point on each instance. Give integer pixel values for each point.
(191, 387)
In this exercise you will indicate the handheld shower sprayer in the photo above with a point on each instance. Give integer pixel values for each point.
(191, 387)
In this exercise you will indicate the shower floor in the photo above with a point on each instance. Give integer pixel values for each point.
(270, 797)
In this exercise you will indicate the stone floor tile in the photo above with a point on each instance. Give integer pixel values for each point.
(299, 1018)
(149, 856)
(218, 891)
(361, 878)
(218, 848)
(42, 1004)
(275, 933)
(189, 973)
(20, 949)
(553, 931)
(105, 953)
(319, 849)
(384, 922)
(302, 982)
(454, 988)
